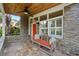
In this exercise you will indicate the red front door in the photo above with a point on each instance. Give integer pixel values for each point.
(34, 30)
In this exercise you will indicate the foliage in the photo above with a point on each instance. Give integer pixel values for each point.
(0, 31)
(0, 26)
(15, 31)
(0, 19)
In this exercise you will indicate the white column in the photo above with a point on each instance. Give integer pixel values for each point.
(3, 20)
(2, 39)
(3, 26)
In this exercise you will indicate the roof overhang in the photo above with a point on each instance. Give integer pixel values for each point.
(34, 8)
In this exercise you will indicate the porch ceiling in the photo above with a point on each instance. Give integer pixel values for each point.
(34, 8)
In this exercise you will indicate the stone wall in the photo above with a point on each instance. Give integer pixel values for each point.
(71, 30)
(24, 25)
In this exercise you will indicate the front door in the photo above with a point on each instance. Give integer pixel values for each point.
(33, 30)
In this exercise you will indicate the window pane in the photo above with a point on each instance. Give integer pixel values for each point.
(53, 31)
(43, 17)
(44, 24)
(44, 31)
(37, 28)
(52, 22)
(59, 31)
(31, 20)
(59, 22)
(56, 14)
(41, 24)
(36, 19)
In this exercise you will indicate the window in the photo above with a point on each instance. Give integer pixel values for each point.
(44, 27)
(51, 24)
(55, 14)
(55, 26)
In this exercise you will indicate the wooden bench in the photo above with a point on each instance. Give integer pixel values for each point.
(43, 42)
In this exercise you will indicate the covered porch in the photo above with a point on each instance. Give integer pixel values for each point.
(40, 25)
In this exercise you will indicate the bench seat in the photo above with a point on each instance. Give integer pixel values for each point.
(42, 43)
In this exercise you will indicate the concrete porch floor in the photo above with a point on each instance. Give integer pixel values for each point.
(25, 48)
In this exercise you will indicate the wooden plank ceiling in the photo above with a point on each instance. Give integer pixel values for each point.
(34, 8)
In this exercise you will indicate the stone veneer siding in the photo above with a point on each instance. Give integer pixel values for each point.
(71, 29)
(24, 25)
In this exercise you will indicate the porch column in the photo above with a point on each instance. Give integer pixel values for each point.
(24, 25)
(2, 39)
(3, 21)
(3, 26)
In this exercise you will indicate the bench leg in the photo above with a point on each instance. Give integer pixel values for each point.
(52, 49)
(32, 42)
(51, 52)
(39, 46)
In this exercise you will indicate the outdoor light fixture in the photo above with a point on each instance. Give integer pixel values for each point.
(25, 13)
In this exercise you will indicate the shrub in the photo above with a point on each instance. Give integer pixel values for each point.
(0, 31)
(15, 31)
